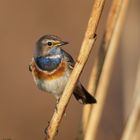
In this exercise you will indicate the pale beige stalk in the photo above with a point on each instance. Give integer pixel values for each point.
(131, 131)
(87, 45)
(101, 92)
(98, 62)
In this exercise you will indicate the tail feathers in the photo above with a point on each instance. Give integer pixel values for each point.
(83, 96)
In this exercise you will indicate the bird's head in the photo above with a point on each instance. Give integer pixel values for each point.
(47, 43)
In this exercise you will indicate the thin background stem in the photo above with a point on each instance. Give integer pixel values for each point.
(101, 92)
(134, 118)
(99, 60)
(87, 45)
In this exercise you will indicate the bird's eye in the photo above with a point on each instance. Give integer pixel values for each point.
(49, 43)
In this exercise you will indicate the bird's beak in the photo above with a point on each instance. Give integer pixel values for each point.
(60, 43)
(64, 43)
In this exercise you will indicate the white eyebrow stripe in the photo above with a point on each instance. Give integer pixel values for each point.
(45, 41)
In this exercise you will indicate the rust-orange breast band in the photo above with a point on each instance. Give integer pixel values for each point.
(44, 75)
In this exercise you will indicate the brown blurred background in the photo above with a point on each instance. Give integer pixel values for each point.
(24, 110)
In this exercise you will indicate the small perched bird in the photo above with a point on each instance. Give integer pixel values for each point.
(51, 67)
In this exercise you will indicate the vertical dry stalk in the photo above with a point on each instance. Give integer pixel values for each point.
(106, 72)
(91, 89)
(99, 60)
(87, 44)
(134, 118)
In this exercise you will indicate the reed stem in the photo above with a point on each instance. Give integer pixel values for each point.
(110, 44)
(134, 118)
(87, 45)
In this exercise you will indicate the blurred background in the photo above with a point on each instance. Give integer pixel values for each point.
(25, 110)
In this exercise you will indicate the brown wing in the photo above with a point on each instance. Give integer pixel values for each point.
(69, 59)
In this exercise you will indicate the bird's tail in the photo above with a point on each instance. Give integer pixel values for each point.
(82, 95)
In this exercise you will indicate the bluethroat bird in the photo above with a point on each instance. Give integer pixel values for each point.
(51, 67)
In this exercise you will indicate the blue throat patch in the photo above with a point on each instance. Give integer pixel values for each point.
(47, 63)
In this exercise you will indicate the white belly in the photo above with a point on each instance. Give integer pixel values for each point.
(55, 86)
